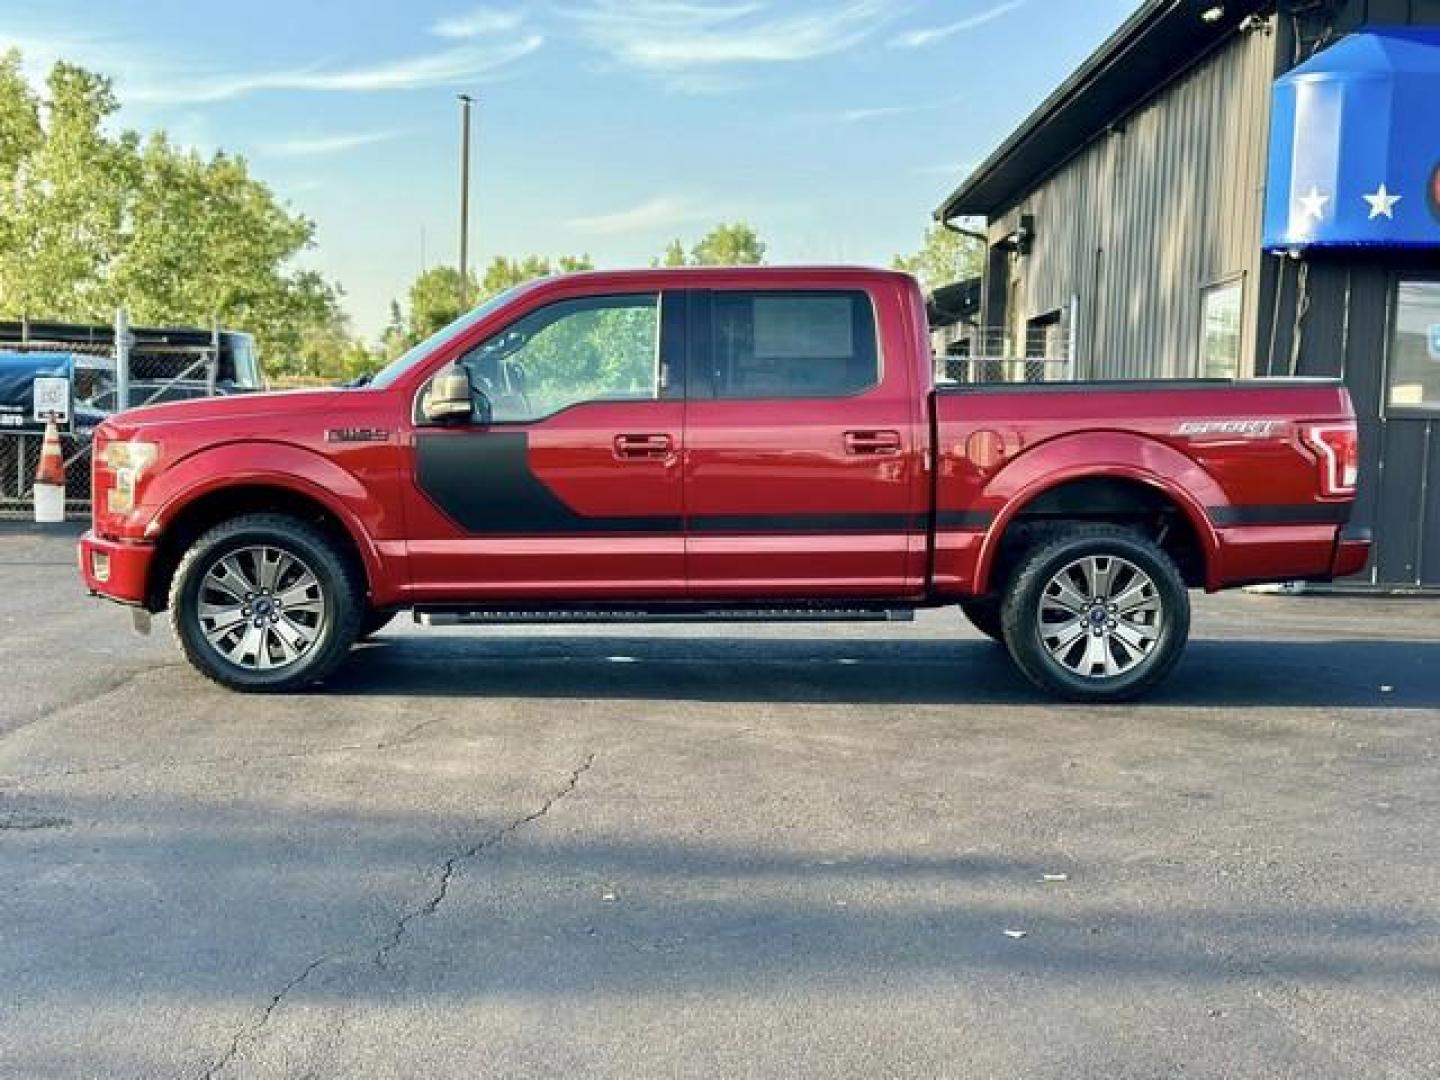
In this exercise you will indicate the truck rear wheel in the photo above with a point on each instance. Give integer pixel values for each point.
(266, 602)
(1096, 613)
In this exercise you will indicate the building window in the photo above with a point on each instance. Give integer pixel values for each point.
(1220, 307)
(793, 344)
(1042, 336)
(1414, 377)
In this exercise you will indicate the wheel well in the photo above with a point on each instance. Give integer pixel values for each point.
(210, 509)
(1129, 503)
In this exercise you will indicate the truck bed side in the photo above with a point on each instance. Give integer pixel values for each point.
(1219, 467)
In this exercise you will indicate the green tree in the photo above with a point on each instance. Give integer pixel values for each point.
(20, 137)
(503, 273)
(395, 338)
(68, 200)
(208, 241)
(736, 244)
(91, 221)
(674, 254)
(330, 351)
(434, 301)
(944, 258)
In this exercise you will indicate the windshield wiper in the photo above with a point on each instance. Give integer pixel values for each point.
(358, 381)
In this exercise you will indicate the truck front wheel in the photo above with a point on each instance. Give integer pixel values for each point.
(1096, 613)
(266, 602)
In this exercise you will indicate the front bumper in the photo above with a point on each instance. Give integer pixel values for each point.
(116, 570)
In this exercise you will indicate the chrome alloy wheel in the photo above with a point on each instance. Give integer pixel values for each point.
(1100, 616)
(261, 608)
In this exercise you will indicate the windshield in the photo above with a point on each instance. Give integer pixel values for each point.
(242, 355)
(401, 364)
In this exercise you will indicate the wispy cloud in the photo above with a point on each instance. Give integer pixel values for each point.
(323, 145)
(477, 23)
(914, 39)
(864, 113)
(663, 211)
(686, 42)
(448, 67)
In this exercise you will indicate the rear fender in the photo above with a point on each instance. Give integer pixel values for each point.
(1101, 455)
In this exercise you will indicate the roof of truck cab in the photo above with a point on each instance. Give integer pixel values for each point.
(698, 277)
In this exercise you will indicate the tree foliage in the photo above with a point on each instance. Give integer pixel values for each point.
(727, 244)
(944, 258)
(91, 221)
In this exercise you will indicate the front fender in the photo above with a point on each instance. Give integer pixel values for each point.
(1101, 454)
(285, 466)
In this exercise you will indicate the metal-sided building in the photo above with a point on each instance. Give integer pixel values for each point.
(1235, 189)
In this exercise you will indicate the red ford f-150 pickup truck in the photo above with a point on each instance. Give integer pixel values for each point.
(741, 444)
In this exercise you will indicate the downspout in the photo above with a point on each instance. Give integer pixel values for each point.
(970, 234)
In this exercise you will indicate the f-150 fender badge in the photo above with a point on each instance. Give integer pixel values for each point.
(1228, 429)
(357, 435)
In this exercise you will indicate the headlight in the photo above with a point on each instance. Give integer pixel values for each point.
(128, 461)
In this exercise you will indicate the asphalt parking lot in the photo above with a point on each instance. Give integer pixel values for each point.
(815, 851)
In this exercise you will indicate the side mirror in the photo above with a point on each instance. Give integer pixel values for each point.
(450, 397)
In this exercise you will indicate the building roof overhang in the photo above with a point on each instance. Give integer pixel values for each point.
(1160, 40)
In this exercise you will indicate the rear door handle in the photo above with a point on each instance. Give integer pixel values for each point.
(643, 447)
(872, 442)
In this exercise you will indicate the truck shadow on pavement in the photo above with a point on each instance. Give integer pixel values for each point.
(1349, 673)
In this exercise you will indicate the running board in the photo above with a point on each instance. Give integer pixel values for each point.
(666, 613)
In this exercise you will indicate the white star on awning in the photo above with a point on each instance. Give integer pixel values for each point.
(1382, 203)
(1313, 203)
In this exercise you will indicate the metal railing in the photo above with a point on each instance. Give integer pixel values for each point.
(970, 354)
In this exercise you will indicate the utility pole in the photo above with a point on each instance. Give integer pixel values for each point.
(465, 102)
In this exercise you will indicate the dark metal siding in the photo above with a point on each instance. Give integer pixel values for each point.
(1342, 307)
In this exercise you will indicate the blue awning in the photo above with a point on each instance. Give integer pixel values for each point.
(1355, 145)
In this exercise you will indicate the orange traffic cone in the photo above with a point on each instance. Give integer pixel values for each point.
(50, 478)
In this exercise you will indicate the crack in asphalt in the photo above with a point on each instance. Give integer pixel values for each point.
(253, 1029)
(250, 1031)
(452, 864)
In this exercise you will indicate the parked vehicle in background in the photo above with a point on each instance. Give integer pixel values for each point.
(164, 364)
(718, 444)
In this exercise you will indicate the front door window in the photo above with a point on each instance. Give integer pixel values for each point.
(596, 348)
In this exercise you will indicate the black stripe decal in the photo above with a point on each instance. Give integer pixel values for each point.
(964, 519)
(485, 485)
(1287, 514)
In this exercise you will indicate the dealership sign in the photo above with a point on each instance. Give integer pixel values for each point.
(1355, 147)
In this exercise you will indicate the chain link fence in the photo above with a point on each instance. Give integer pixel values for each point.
(159, 371)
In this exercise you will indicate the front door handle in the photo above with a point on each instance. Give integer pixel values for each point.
(872, 442)
(643, 447)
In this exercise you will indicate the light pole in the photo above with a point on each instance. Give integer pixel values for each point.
(465, 102)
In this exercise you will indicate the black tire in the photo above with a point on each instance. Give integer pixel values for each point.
(340, 584)
(984, 615)
(375, 621)
(1021, 618)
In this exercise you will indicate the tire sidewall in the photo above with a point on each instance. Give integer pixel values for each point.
(296, 538)
(1022, 624)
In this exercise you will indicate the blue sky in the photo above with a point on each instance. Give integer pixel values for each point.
(604, 126)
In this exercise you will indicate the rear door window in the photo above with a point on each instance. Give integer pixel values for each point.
(779, 344)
